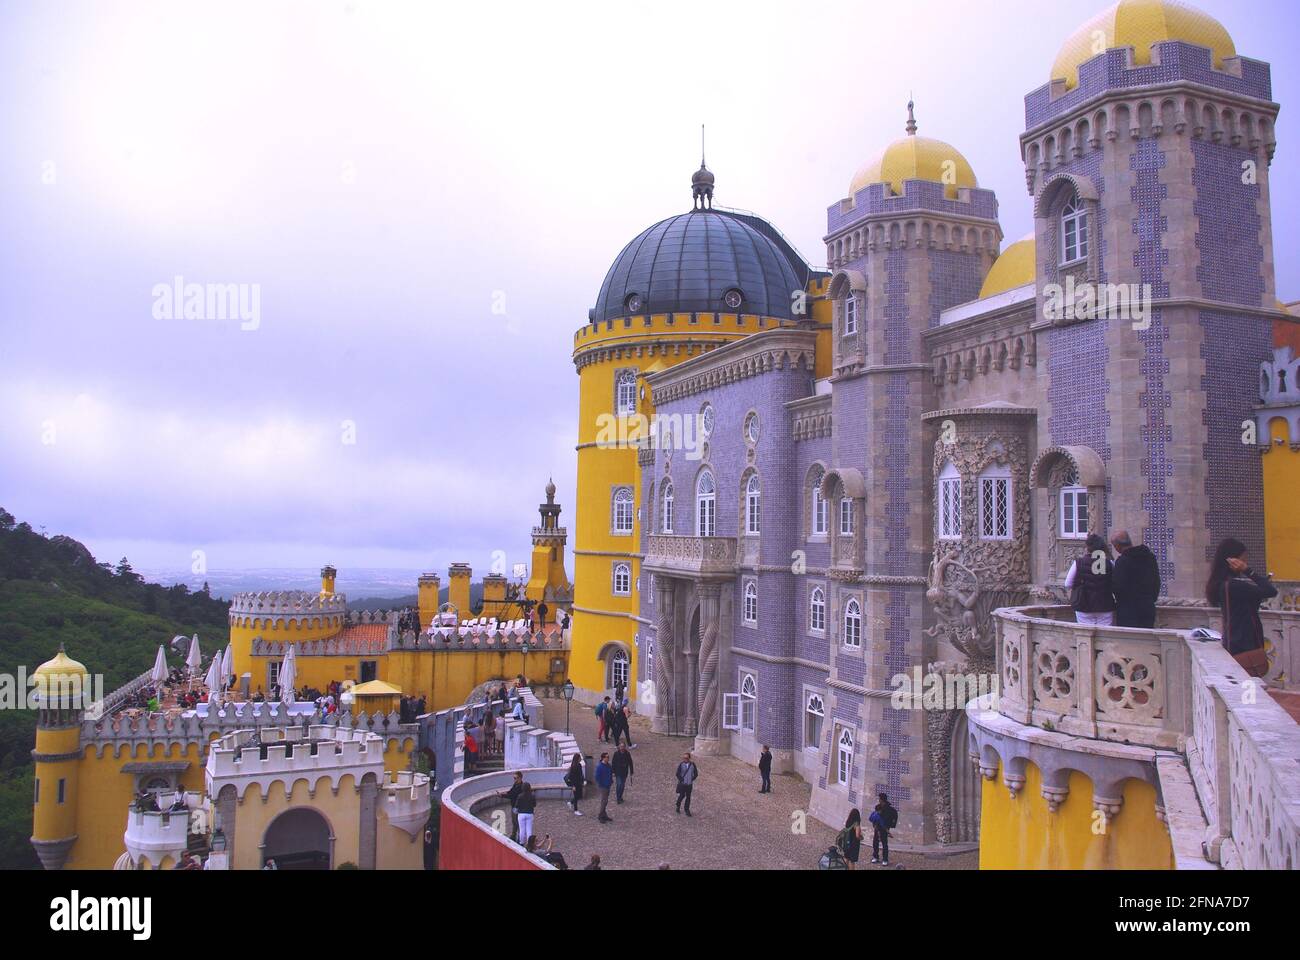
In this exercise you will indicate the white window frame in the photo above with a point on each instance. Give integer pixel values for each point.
(814, 706)
(853, 623)
(850, 315)
(749, 602)
(625, 392)
(1074, 521)
(731, 711)
(995, 523)
(622, 511)
(622, 571)
(619, 656)
(844, 746)
(667, 517)
(948, 503)
(817, 610)
(821, 509)
(753, 506)
(846, 516)
(706, 505)
(1074, 224)
(748, 703)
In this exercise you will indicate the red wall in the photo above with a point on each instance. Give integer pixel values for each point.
(468, 845)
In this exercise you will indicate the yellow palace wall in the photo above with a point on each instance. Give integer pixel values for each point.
(1281, 504)
(1021, 833)
(270, 629)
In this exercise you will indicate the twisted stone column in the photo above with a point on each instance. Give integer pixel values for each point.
(663, 648)
(707, 694)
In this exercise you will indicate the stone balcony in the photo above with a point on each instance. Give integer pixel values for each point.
(406, 800)
(704, 557)
(151, 836)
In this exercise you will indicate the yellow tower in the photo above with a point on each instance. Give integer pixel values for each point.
(458, 588)
(430, 589)
(548, 581)
(63, 691)
(283, 616)
(684, 286)
(327, 575)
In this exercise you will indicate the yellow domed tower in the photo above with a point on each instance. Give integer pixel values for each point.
(680, 288)
(912, 157)
(62, 688)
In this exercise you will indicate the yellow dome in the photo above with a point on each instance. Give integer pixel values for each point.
(1139, 24)
(60, 666)
(916, 158)
(1014, 267)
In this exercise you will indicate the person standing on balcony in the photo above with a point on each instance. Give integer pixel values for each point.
(1136, 582)
(1090, 584)
(1239, 591)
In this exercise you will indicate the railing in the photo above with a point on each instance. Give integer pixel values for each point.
(698, 555)
(155, 834)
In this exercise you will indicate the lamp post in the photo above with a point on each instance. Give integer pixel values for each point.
(524, 647)
(568, 699)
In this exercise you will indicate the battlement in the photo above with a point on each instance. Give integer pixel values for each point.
(406, 801)
(286, 603)
(288, 750)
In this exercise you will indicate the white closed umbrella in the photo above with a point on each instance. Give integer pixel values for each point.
(288, 675)
(213, 681)
(227, 665)
(159, 675)
(193, 658)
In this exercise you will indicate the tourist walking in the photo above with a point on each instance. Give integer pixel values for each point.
(623, 768)
(1135, 581)
(512, 795)
(525, 804)
(687, 774)
(575, 779)
(883, 819)
(850, 839)
(620, 727)
(602, 713)
(604, 780)
(765, 769)
(1238, 591)
(1089, 581)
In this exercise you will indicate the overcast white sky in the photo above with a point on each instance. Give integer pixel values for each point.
(386, 173)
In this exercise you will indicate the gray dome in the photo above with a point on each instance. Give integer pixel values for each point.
(688, 263)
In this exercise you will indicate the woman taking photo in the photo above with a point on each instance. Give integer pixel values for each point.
(1238, 591)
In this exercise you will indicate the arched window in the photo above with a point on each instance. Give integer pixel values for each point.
(853, 624)
(622, 580)
(706, 505)
(625, 392)
(619, 669)
(814, 717)
(667, 516)
(622, 510)
(844, 756)
(748, 702)
(948, 503)
(819, 509)
(752, 506)
(817, 610)
(751, 602)
(1074, 232)
(995, 502)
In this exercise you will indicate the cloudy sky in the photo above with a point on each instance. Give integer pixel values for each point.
(424, 199)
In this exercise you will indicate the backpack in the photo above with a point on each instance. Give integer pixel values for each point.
(890, 817)
(600, 709)
(844, 838)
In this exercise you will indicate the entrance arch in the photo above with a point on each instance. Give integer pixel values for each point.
(300, 838)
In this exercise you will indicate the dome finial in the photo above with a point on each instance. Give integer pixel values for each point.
(702, 181)
(911, 118)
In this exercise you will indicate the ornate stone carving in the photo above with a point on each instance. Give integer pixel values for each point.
(709, 654)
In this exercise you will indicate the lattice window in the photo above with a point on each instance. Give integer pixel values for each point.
(995, 504)
(948, 508)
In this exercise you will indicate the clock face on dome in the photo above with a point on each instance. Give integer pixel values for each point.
(634, 303)
(733, 299)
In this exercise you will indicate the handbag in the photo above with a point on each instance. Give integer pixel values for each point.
(1254, 662)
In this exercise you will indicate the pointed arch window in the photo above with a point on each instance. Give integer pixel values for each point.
(667, 515)
(853, 624)
(753, 506)
(844, 756)
(817, 610)
(706, 505)
(625, 393)
(751, 602)
(820, 510)
(814, 717)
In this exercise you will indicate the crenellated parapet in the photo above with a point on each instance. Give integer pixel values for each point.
(286, 603)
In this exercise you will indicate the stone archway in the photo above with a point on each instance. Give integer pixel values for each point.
(300, 838)
(964, 786)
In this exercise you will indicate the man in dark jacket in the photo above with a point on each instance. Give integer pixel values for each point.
(623, 768)
(512, 795)
(687, 774)
(1136, 582)
(765, 769)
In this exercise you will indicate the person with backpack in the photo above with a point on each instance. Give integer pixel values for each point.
(575, 778)
(849, 839)
(1136, 582)
(1238, 591)
(883, 819)
(622, 766)
(604, 780)
(602, 712)
(619, 724)
(687, 774)
(1090, 584)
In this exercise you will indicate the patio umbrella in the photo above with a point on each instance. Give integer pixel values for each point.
(227, 666)
(159, 675)
(213, 680)
(194, 658)
(288, 675)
